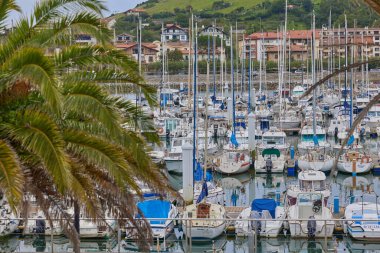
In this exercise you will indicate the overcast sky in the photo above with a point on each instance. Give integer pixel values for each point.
(113, 5)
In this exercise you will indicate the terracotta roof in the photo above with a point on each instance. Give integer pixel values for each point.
(129, 45)
(293, 34)
(293, 48)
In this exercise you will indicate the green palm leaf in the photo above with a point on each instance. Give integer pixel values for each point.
(39, 134)
(11, 175)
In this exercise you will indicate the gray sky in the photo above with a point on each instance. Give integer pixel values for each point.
(113, 5)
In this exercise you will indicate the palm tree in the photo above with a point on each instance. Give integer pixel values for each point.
(61, 137)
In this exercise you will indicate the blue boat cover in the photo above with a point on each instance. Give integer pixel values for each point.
(154, 209)
(264, 204)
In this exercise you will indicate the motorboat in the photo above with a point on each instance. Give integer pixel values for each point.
(308, 141)
(273, 138)
(162, 210)
(362, 219)
(271, 160)
(208, 220)
(270, 218)
(310, 217)
(308, 181)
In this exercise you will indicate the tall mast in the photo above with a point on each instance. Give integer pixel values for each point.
(313, 74)
(249, 76)
(189, 62)
(213, 60)
(195, 76)
(233, 85)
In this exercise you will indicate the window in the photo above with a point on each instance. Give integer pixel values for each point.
(377, 37)
(135, 51)
(150, 59)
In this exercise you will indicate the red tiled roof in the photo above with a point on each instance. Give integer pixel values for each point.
(293, 34)
(146, 45)
(136, 10)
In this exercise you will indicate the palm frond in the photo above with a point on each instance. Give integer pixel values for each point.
(40, 135)
(11, 175)
(48, 10)
(90, 101)
(6, 6)
(99, 152)
(32, 65)
(374, 4)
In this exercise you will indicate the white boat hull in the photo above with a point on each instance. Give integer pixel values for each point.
(277, 166)
(316, 165)
(298, 229)
(204, 232)
(346, 167)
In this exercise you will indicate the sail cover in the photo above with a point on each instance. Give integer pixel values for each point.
(154, 209)
(264, 204)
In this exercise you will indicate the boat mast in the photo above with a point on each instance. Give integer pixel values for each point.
(249, 76)
(195, 76)
(233, 85)
(213, 60)
(189, 62)
(313, 74)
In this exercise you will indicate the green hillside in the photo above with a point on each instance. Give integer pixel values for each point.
(250, 15)
(154, 6)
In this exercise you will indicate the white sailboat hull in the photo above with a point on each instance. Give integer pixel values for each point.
(346, 167)
(204, 232)
(316, 165)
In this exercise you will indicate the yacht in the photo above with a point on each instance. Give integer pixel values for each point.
(363, 219)
(273, 138)
(307, 139)
(308, 181)
(277, 161)
(160, 209)
(270, 218)
(310, 216)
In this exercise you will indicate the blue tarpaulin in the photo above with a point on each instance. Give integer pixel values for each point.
(264, 204)
(154, 209)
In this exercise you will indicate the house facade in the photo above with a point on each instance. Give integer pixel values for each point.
(149, 51)
(174, 32)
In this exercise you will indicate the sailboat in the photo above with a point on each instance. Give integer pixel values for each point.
(209, 218)
(235, 157)
(313, 140)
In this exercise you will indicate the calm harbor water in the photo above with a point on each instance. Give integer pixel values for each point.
(240, 190)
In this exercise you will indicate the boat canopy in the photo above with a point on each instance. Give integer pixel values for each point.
(264, 204)
(271, 151)
(154, 209)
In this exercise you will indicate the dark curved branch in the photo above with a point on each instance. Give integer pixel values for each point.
(357, 121)
(323, 80)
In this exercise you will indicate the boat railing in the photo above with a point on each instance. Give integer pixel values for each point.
(117, 238)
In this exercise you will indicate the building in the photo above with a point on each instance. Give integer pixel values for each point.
(266, 44)
(173, 32)
(149, 51)
(84, 39)
(124, 38)
(134, 12)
